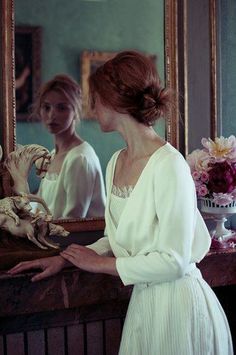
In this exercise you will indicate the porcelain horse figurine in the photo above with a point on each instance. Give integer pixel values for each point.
(15, 211)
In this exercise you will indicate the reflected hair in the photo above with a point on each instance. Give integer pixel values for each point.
(65, 85)
(129, 83)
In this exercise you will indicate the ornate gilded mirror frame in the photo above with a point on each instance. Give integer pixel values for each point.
(7, 100)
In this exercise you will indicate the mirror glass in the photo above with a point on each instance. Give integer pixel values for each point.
(226, 32)
(67, 31)
(226, 79)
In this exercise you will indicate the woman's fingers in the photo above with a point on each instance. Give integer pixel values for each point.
(26, 265)
(69, 255)
(42, 275)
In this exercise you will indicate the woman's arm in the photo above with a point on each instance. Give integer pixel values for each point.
(87, 259)
(49, 266)
(80, 256)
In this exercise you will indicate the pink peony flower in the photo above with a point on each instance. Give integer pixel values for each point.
(197, 183)
(222, 199)
(214, 168)
(198, 160)
(202, 190)
(196, 175)
(204, 176)
(221, 148)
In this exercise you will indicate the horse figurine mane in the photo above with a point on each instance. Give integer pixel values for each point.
(20, 161)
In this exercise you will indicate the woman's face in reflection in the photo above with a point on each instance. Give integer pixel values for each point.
(57, 112)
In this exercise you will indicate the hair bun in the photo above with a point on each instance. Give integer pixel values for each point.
(154, 104)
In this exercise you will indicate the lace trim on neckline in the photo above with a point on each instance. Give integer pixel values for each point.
(123, 191)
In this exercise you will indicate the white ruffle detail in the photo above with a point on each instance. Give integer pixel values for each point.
(123, 191)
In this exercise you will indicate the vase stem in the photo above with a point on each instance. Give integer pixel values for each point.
(221, 232)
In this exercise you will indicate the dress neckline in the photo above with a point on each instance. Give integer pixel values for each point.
(54, 175)
(142, 172)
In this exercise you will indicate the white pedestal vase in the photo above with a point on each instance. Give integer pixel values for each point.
(219, 214)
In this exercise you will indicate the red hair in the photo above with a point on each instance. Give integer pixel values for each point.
(129, 83)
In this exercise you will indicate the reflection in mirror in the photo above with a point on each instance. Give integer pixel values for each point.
(73, 185)
(62, 48)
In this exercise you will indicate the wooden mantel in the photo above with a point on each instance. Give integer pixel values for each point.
(77, 302)
(73, 288)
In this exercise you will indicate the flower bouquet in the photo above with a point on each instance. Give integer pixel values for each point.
(213, 169)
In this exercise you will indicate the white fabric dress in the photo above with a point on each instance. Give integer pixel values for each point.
(157, 235)
(78, 190)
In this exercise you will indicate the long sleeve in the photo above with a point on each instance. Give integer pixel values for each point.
(101, 246)
(175, 204)
(79, 179)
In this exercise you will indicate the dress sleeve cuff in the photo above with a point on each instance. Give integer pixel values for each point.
(121, 269)
(101, 247)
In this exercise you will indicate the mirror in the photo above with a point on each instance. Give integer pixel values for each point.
(159, 37)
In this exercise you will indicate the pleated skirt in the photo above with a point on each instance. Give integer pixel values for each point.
(182, 317)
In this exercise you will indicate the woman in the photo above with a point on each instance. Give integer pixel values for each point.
(153, 226)
(73, 185)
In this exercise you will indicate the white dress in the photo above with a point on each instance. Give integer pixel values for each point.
(78, 190)
(157, 235)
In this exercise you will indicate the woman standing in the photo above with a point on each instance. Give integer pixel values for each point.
(153, 226)
(73, 185)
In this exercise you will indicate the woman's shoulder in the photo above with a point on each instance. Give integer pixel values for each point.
(82, 158)
(170, 161)
(169, 154)
(83, 151)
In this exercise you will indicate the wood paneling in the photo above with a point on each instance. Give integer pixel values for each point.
(113, 328)
(15, 344)
(92, 338)
(36, 342)
(75, 339)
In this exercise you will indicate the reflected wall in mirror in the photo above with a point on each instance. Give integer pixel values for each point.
(226, 69)
(90, 61)
(152, 30)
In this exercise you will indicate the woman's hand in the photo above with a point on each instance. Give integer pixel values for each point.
(49, 266)
(89, 260)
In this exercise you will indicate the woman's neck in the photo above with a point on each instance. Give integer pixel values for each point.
(141, 140)
(64, 142)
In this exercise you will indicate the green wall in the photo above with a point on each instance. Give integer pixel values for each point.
(73, 26)
(227, 25)
(228, 65)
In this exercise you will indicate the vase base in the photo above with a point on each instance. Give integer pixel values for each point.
(223, 235)
(225, 241)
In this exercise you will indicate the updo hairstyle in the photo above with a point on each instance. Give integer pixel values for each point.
(63, 84)
(129, 83)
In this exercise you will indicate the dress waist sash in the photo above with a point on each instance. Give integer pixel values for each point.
(191, 271)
